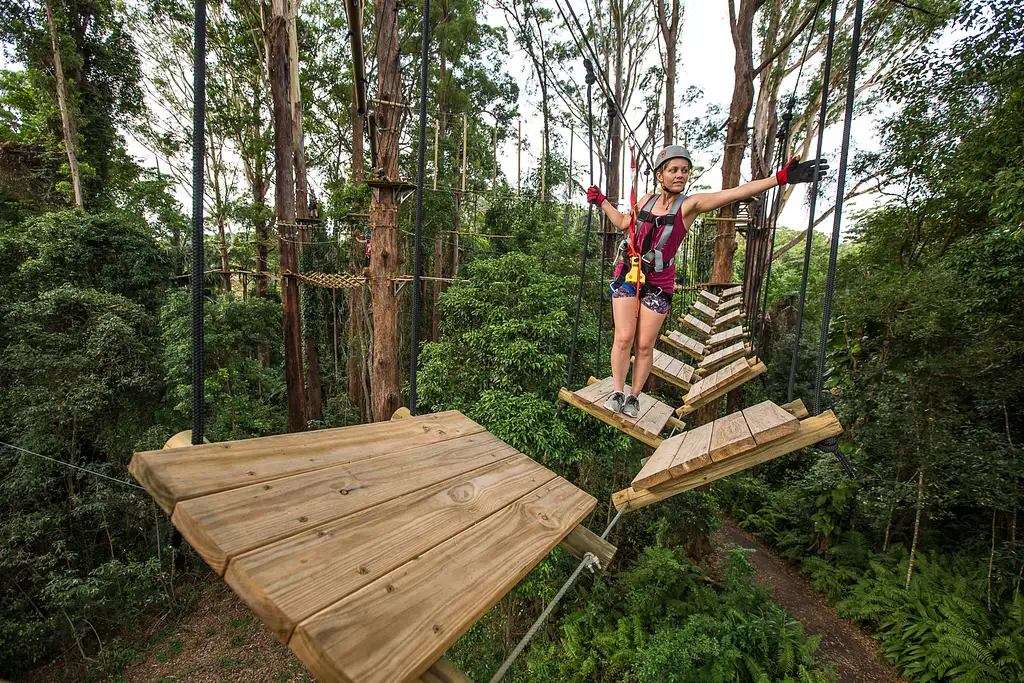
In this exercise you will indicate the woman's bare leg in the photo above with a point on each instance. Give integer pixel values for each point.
(623, 312)
(650, 325)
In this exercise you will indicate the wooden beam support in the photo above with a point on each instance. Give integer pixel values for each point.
(582, 540)
(443, 671)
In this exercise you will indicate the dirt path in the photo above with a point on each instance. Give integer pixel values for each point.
(854, 654)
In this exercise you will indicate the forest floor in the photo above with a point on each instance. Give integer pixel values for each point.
(855, 655)
(221, 640)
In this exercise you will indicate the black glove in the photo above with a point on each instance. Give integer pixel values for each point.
(797, 171)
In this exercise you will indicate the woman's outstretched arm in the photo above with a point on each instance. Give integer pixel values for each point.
(617, 218)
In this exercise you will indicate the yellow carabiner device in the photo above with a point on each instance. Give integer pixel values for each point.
(635, 276)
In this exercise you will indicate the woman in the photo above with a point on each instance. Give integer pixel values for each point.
(661, 223)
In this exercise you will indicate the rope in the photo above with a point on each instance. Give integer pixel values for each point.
(589, 562)
(198, 263)
(329, 280)
(825, 88)
(417, 242)
(72, 466)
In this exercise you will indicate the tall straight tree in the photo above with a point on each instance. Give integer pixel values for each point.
(384, 215)
(285, 206)
(67, 120)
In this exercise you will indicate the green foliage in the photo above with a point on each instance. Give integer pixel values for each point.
(662, 622)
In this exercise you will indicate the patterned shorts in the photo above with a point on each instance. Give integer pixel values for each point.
(651, 298)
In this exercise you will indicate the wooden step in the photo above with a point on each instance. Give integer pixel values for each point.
(671, 369)
(646, 427)
(705, 310)
(709, 297)
(722, 357)
(771, 428)
(723, 321)
(729, 304)
(718, 384)
(732, 291)
(688, 345)
(695, 324)
(729, 336)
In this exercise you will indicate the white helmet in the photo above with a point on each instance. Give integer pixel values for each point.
(668, 153)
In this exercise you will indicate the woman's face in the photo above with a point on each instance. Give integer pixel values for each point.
(674, 175)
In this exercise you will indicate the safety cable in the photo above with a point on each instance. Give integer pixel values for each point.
(603, 243)
(822, 115)
(589, 562)
(590, 220)
(72, 466)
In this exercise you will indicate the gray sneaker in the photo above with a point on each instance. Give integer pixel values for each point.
(631, 407)
(615, 401)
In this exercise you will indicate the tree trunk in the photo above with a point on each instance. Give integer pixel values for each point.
(67, 122)
(736, 133)
(356, 364)
(285, 201)
(384, 218)
(917, 525)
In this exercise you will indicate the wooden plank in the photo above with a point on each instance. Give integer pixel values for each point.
(708, 296)
(686, 373)
(694, 453)
(226, 524)
(723, 356)
(598, 391)
(730, 437)
(393, 629)
(655, 470)
(606, 416)
(768, 422)
(684, 343)
(582, 540)
(183, 473)
(696, 325)
(732, 291)
(295, 578)
(722, 389)
(730, 317)
(729, 304)
(443, 671)
(705, 310)
(812, 430)
(726, 336)
(653, 421)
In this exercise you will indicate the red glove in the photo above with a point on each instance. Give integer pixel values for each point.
(802, 172)
(594, 196)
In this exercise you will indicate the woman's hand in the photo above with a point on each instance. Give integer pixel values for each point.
(595, 196)
(802, 172)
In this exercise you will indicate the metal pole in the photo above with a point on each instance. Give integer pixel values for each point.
(198, 262)
(519, 158)
(417, 248)
(436, 126)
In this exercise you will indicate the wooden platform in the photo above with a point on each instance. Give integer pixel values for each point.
(719, 383)
(688, 345)
(646, 427)
(696, 324)
(672, 369)
(369, 550)
(729, 444)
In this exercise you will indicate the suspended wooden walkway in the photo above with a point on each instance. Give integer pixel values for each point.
(720, 383)
(647, 426)
(370, 550)
(727, 445)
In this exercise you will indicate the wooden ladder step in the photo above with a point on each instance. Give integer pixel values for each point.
(688, 345)
(696, 324)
